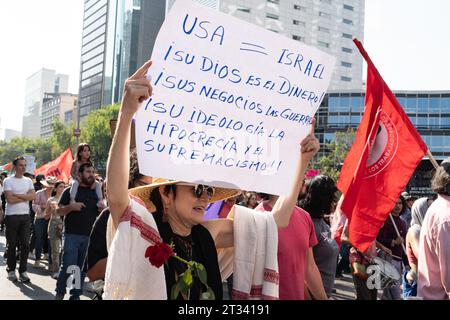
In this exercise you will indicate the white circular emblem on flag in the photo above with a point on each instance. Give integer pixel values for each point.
(383, 147)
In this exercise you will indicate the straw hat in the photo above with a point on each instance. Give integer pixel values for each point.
(144, 192)
(49, 182)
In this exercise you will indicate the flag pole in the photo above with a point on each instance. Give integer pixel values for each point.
(398, 233)
(433, 161)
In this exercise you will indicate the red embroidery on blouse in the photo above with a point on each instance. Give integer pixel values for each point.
(147, 232)
(271, 276)
(139, 200)
(256, 291)
(264, 297)
(239, 295)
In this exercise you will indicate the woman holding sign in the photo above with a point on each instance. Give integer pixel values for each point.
(164, 223)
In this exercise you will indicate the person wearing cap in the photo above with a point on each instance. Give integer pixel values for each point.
(178, 217)
(40, 219)
(433, 282)
(407, 205)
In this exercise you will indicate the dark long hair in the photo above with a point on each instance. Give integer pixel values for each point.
(205, 252)
(155, 197)
(404, 206)
(441, 179)
(80, 149)
(59, 182)
(319, 197)
(134, 174)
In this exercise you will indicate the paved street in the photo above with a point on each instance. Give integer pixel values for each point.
(42, 286)
(344, 288)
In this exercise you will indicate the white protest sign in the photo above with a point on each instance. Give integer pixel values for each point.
(231, 102)
(31, 163)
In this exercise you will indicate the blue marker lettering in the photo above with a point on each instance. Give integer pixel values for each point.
(149, 143)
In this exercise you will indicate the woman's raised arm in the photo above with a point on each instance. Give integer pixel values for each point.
(284, 206)
(137, 89)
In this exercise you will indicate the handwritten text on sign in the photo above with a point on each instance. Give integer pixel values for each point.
(231, 102)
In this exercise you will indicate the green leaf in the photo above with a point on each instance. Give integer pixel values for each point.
(182, 284)
(175, 291)
(201, 273)
(205, 296)
(187, 278)
(211, 293)
(208, 295)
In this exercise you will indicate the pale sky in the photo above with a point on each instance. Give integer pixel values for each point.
(408, 40)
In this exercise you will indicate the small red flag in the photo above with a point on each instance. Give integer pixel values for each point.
(59, 168)
(6, 167)
(386, 151)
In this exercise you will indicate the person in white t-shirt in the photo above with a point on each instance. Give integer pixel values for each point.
(3, 176)
(19, 190)
(2, 212)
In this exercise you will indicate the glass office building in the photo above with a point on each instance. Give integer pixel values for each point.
(92, 55)
(118, 36)
(429, 111)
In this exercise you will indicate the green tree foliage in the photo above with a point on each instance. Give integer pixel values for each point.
(17, 147)
(43, 152)
(95, 131)
(337, 150)
(61, 138)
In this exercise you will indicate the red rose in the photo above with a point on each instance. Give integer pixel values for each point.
(158, 254)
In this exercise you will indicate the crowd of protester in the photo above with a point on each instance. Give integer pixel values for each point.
(90, 223)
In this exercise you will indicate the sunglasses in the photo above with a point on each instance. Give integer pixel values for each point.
(199, 189)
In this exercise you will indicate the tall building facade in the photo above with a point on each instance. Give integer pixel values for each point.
(118, 37)
(7, 135)
(329, 25)
(214, 4)
(57, 106)
(41, 82)
(92, 55)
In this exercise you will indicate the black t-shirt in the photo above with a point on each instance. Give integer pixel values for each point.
(97, 249)
(80, 222)
(203, 251)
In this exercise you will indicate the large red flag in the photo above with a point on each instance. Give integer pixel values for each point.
(59, 168)
(6, 167)
(381, 161)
